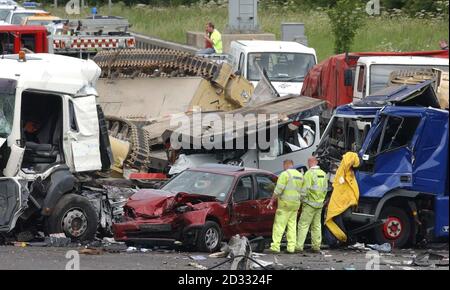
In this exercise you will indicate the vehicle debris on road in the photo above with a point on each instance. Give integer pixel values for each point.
(385, 248)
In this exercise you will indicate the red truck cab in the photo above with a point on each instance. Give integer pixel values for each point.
(14, 38)
(332, 80)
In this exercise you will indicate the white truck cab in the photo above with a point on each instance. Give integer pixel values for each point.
(49, 133)
(17, 15)
(286, 63)
(372, 73)
(41, 91)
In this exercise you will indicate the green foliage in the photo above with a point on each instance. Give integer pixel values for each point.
(346, 18)
(381, 33)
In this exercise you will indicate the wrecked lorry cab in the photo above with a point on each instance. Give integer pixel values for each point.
(201, 207)
(402, 141)
(49, 134)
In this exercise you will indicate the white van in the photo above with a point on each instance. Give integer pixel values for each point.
(286, 63)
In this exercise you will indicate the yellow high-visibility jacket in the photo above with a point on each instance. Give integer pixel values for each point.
(288, 189)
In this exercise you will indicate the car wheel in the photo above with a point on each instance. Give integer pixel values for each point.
(210, 237)
(74, 216)
(396, 229)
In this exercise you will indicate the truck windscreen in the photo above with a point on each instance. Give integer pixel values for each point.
(3, 14)
(7, 100)
(17, 18)
(280, 66)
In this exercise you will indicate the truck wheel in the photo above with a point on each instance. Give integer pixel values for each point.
(74, 216)
(396, 229)
(210, 237)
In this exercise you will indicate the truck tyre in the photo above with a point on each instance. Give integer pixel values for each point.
(209, 238)
(74, 216)
(397, 228)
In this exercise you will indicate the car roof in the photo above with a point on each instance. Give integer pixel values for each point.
(275, 46)
(228, 169)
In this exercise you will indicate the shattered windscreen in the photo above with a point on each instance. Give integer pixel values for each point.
(204, 183)
(343, 135)
(7, 100)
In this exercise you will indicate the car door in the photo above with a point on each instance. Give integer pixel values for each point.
(12, 203)
(265, 185)
(245, 211)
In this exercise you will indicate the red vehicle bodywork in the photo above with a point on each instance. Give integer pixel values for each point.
(32, 37)
(325, 80)
(160, 216)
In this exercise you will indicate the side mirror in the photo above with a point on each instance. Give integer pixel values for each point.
(348, 78)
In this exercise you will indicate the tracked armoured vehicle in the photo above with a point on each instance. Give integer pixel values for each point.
(138, 88)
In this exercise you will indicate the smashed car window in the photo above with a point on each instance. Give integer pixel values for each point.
(280, 67)
(7, 100)
(244, 189)
(265, 187)
(204, 183)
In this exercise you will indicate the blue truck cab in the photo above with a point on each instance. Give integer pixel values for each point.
(401, 138)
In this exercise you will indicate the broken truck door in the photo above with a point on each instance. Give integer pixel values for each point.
(8, 112)
(12, 203)
(430, 176)
(245, 210)
(388, 158)
(81, 139)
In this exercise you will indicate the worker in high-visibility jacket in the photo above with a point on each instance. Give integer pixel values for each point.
(314, 191)
(287, 195)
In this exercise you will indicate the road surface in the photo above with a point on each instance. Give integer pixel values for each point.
(41, 258)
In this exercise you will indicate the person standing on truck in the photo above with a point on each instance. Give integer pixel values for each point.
(314, 191)
(66, 28)
(287, 194)
(214, 39)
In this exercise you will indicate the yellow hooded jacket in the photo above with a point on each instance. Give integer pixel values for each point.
(345, 193)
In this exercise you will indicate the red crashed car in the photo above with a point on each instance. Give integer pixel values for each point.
(201, 207)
